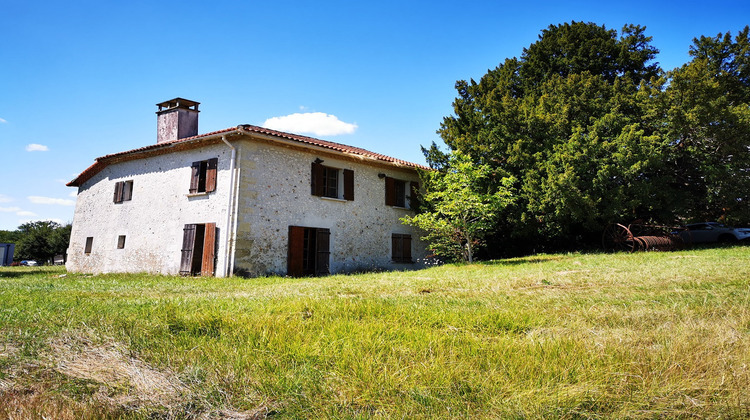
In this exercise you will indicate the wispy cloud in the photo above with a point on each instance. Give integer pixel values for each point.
(33, 147)
(316, 123)
(5, 199)
(54, 201)
(18, 211)
(73, 194)
(3, 121)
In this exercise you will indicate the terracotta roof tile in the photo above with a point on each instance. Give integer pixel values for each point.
(102, 162)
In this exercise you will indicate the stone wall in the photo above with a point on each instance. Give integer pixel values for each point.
(274, 193)
(153, 220)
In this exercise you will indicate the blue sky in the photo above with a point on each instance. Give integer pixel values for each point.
(80, 79)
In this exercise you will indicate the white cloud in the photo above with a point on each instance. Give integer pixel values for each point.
(3, 121)
(316, 123)
(33, 147)
(18, 211)
(5, 199)
(55, 201)
(73, 194)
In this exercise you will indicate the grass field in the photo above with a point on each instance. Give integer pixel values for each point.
(645, 335)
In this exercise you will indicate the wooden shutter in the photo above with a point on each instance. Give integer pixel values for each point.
(396, 246)
(127, 190)
(295, 251)
(211, 174)
(348, 184)
(390, 191)
(188, 243)
(209, 250)
(317, 180)
(195, 177)
(118, 192)
(414, 197)
(322, 252)
(406, 248)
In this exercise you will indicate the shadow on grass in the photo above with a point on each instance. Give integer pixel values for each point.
(522, 260)
(6, 272)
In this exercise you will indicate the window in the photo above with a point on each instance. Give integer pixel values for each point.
(401, 248)
(121, 242)
(309, 251)
(198, 249)
(123, 191)
(396, 193)
(326, 181)
(203, 176)
(89, 244)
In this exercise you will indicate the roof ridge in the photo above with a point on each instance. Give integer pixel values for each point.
(101, 162)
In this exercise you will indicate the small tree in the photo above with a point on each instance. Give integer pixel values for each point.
(460, 206)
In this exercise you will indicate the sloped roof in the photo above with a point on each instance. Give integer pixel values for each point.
(164, 147)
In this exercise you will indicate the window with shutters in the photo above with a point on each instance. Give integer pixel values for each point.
(89, 245)
(198, 250)
(399, 193)
(203, 176)
(401, 248)
(123, 191)
(309, 251)
(330, 182)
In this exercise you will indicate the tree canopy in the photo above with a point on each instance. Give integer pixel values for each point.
(40, 241)
(594, 132)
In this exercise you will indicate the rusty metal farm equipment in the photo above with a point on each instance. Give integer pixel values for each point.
(641, 237)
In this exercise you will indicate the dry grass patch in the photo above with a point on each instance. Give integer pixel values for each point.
(130, 381)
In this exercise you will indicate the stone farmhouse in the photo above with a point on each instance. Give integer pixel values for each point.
(245, 200)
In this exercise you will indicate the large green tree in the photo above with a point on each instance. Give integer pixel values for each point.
(575, 120)
(708, 117)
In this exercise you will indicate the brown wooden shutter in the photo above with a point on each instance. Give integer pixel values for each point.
(211, 174)
(390, 191)
(317, 180)
(348, 184)
(396, 247)
(414, 197)
(209, 250)
(195, 177)
(322, 255)
(295, 252)
(188, 243)
(118, 192)
(127, 190)
(406, 247)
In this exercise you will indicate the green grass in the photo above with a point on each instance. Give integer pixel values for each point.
(645, 335)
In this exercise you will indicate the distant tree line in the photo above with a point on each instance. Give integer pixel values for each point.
(592, 131)
(38, 241)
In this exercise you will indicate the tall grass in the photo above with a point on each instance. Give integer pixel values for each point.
(561, 336)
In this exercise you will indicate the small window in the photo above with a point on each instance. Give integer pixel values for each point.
(203, 176)
(123, 191)
(326, 181)
(121, 242)
(400, 193)
(89, 244)
(401, 248)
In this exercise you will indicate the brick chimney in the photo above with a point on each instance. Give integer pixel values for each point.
(176, 119)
